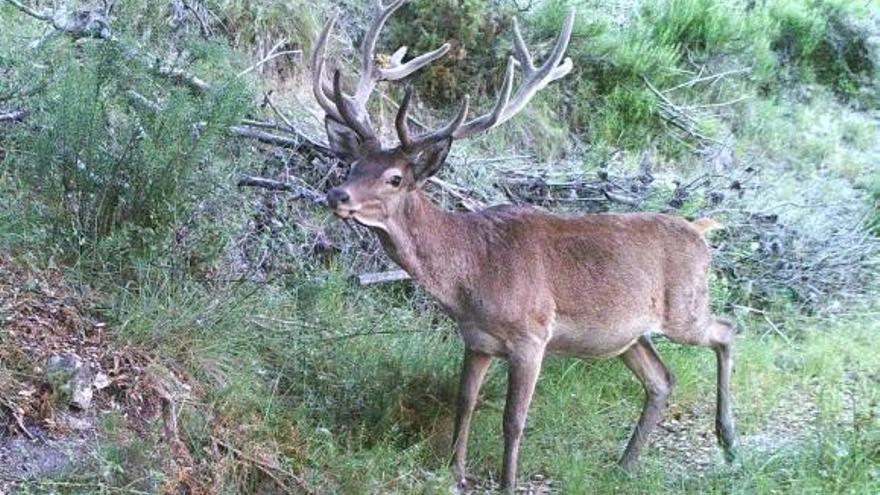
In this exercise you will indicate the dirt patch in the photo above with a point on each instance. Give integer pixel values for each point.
(45, 434)
(44, 431)
(44, 317)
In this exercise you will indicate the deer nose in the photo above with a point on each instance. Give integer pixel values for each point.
(336, 196)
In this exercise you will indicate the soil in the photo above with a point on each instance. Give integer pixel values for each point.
(41, 434)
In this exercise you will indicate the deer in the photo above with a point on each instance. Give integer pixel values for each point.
(521, 283)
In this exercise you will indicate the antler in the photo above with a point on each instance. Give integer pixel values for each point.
(534, 79)
(351, 110)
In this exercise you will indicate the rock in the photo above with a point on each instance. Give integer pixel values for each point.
(102, 381)
(70, 379)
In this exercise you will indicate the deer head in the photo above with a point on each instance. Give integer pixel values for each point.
(379, 176)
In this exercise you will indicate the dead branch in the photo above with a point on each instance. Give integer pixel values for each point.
(297, 143)
(13, 115)
(712, 77)
(79, 24)
(382, 277)
(617, 198)
(676, 116)
(273, 54)
(96, 24)
(299, 192)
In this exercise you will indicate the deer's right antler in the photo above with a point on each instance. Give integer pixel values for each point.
(351, 110)
(534, 79)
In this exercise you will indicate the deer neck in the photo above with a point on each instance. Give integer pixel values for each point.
(429, 243)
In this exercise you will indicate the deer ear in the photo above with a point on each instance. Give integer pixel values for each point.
(429, 161)
(344, 142)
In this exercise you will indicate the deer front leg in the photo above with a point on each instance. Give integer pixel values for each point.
(473, 370)
(521, 380)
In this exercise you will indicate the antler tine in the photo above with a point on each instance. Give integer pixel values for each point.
(400, 121)
(351, 110)
(408, 143)
(368, 80)
(496, 116)
(396, 70)
(521, 51)
(561, 44)
(534, 79)
(317, 64)
(351, 113)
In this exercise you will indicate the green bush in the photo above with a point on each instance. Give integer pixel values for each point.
(104, 162)
(825, 38)
(697, 25)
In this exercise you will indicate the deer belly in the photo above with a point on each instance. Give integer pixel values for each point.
(485, 342)
(570, 338)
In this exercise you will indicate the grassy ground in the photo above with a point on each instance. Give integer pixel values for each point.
(584, 412)
(359, 399)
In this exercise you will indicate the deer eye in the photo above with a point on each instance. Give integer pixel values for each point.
(394, 180)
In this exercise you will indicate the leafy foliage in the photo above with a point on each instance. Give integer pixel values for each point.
(106, 162)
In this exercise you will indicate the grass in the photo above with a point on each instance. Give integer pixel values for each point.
(583, 412)
(356, 392)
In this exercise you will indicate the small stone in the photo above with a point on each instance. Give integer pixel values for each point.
(71, 379)
(102, 381)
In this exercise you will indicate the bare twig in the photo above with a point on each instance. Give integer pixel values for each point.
(712, 77)
(268, 99)
(674, 115)
(273, 54)
(717, 105)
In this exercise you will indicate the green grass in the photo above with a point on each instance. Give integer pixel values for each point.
(356, 391)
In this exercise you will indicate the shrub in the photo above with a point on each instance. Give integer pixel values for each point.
(696, 25)
(103, 162)
(824, 37)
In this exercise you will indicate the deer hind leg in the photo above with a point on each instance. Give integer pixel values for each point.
(720, 336)
(473, 371)
(645, 363)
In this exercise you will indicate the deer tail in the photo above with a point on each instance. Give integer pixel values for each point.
(703, 225)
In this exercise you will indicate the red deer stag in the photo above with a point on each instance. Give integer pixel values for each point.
(522, 283)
